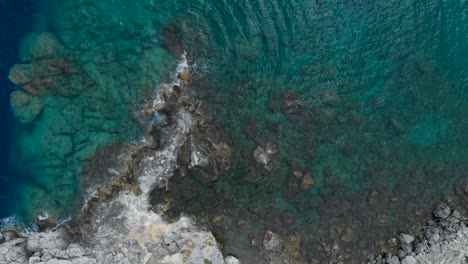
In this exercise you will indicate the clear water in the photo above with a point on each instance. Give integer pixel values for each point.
(17, 19)
(382, 131)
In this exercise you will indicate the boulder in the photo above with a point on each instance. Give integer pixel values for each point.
(442, 211)
(231, 260)
(272, 242)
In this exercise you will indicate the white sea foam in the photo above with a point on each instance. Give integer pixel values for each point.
(182, 65)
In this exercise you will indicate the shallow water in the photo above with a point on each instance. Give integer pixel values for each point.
(379, 121)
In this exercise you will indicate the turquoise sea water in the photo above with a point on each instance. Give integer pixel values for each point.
(381, 127)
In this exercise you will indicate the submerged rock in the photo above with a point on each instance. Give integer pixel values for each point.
(260, 155)
(25, 107)
(264, 155)
(40, 46)
(307, 182)
(186, 75)
(292, 104)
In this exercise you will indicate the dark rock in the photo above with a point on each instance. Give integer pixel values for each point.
(173, 40)
(250, 129)
(185, 75)
(46, 76)
(397, 126)
(45, 222)
(293, 187)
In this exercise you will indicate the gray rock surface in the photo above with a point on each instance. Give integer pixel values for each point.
(444, 240)
(272, 242)
(14, 251)
(442, 211)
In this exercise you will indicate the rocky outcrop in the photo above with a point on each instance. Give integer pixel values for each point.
(444, 240)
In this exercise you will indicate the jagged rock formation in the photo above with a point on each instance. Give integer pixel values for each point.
(444, 240)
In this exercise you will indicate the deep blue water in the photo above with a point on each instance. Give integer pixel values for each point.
(16, 20)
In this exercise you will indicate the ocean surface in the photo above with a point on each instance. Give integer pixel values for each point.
(366, 103)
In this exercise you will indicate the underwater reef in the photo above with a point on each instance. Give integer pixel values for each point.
(70, 104)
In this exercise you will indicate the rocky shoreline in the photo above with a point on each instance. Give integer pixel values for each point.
(443, 240)
(118, 223)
